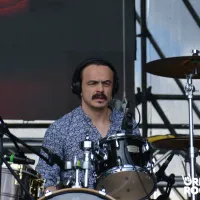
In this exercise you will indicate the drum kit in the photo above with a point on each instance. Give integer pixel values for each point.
(123, 163)
(123, 169)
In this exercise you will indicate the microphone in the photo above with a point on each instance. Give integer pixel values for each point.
(124, 105)
(160, 173)
(127, 122)
(19, 159)
(54, 158)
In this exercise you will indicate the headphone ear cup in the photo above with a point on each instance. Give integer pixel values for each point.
(76, 88)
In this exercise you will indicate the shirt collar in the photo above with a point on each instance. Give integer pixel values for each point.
(87, 118)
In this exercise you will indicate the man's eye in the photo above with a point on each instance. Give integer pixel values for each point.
(107, 83)
(92, 83)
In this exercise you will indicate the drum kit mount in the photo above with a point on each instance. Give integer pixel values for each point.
(123, 162)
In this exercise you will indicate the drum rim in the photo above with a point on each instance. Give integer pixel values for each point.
(78, 190)
(151, 175)
(124, 169)
(120, 135)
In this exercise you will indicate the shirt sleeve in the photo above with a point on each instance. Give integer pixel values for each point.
(53, 142)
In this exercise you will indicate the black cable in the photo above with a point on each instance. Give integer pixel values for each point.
(137, 124)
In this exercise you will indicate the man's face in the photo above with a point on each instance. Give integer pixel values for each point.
(97, 85)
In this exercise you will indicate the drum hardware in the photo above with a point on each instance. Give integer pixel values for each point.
(87, 147)
(182, 67)
(36, 187)
(100, 154)
(116, 141)
(66, 183)
(77, 166)
(189, 89)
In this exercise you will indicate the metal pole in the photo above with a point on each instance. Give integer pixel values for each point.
(143, 62)
(189, 92)
(124, 48)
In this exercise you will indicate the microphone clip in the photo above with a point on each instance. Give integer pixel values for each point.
(170, 183)
(19, 158)
(53, 158)
(160, 174)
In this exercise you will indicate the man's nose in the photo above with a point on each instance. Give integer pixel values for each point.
(100, 87)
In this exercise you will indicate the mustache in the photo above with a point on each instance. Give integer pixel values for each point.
(99, 95)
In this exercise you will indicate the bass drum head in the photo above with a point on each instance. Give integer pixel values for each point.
(77, 194)
(127, 184)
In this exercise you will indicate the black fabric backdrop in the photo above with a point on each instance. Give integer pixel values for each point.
(40, 49)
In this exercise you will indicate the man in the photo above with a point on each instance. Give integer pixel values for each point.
(95, 81)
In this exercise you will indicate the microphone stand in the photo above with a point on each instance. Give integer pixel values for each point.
(16, 139)
(3, 127)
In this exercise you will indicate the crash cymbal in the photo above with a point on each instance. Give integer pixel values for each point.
(171, 142)
(175, 67)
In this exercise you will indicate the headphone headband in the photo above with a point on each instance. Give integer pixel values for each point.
(76, 79)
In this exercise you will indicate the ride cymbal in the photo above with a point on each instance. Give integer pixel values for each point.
(171, 142)
(175, 67)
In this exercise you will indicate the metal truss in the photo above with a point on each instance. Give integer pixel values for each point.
(144, 95)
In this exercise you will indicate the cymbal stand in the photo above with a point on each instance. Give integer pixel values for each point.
(189, 89)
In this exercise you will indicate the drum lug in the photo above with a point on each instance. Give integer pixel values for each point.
(116, 143)
(102, 192)
(119, 163)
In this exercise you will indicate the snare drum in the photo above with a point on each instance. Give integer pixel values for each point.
(77, 194)
(11, 190)
(127, 173)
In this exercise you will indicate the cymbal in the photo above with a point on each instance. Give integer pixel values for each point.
(175, 67)
(171, 142)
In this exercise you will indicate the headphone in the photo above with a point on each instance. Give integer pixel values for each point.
(76, 79)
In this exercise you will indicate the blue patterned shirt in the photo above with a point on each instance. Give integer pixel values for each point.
(63, 138)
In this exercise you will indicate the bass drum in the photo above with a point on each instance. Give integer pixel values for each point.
(77, 194)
